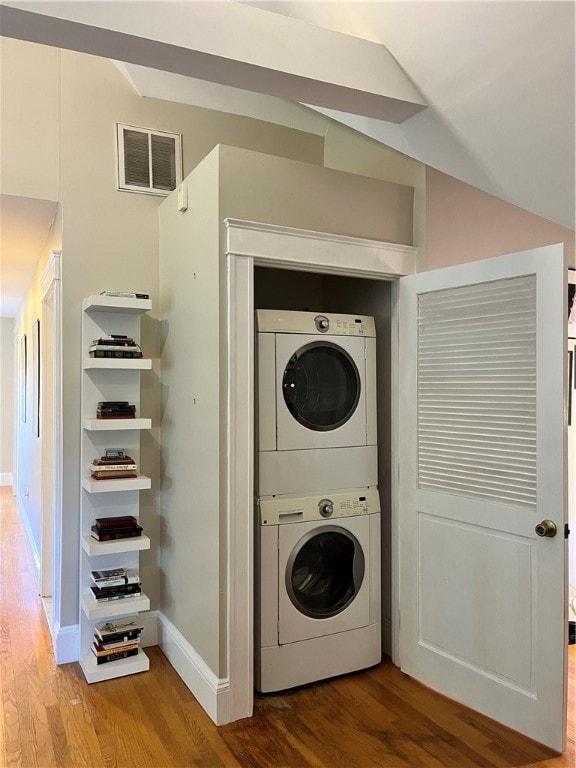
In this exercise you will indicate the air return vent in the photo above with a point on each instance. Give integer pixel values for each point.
(148, 161)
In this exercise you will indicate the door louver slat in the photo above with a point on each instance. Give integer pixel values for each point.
(477, 391)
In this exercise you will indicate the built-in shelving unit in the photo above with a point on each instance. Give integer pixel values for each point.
(110, 379)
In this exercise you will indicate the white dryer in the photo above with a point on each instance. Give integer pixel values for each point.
(318, 611)
(316, 402)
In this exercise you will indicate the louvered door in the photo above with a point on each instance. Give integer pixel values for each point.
(482, 464)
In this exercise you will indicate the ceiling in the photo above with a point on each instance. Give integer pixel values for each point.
(497, 79)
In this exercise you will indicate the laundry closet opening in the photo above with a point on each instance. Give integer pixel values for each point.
(330, 295)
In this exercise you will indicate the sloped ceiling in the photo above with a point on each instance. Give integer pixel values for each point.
(499, 82)
(497, 79)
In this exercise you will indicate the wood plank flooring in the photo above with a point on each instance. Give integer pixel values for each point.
(373, 719)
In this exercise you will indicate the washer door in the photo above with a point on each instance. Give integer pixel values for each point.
(325, 572)
(320, 392)
(323, 577)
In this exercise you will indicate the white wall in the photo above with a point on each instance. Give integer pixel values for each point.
(194, 552)
(7, 399)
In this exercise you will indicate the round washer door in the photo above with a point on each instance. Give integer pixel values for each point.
(321, 386)
(324, 572)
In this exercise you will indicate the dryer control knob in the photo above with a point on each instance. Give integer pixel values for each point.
(322, 323)
(326, 507)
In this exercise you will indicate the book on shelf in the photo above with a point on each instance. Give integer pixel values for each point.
(121, 521)
(113, 346)
(115, 577)
(120, 352)
(115, 340)
(118, 475)
(115, 410)
(105, 462)
(113, 640)
(112, 644)
(116, 655)
(104, 468)
(105, 594)
(115, 453)
(125, 294)
(100, 650)
(113, 534)
(121, 626)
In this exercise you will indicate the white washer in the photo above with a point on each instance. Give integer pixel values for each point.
(318, 611)
(316, 401)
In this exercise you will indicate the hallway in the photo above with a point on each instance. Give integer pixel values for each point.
(374, 719)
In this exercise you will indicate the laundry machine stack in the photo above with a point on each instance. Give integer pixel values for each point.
(318, 512)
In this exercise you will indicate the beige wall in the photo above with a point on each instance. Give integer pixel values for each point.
(194, 376)
(29, 106)
(347, 150)
(465, 224)
(7, 397)
(28, 481)
(320, 199)
(59, 110)
(191, 588)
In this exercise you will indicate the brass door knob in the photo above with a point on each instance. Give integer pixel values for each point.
(546, 528)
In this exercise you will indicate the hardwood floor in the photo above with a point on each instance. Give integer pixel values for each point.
(372, 719)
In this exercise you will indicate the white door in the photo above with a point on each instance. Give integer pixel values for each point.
(482, 465)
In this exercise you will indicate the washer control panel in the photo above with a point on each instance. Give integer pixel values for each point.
(281, 510)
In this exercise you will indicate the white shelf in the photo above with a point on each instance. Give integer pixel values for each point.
(117, 363)
(119, 379)
(110, 608)
(572, 330)
(113, 425)
(115, 304)
(139, 483)
(93, 548)
(96, 673)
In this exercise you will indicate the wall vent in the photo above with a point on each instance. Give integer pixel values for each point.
(149, 161)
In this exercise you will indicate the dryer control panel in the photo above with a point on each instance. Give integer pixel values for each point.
(330, 324)
(281, 510)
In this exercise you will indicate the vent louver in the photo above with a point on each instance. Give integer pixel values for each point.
(148, 161)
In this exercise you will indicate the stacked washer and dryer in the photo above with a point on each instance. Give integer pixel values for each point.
(318, 610)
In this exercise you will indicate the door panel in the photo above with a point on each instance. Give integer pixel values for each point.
(482, 462)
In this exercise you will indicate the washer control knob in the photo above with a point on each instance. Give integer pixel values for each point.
(322, 323)
(326, 507)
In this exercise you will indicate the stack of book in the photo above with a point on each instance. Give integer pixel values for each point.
(110, 469)
(116, 639)
(112, 528)
(115, 409)
(115, 345)
(115, 584)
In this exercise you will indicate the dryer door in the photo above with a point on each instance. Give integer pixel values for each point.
(321, 399)
(324, 578)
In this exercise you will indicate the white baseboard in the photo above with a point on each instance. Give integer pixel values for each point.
(66, 640)
(30, 538)
(6, 478)
(212, 693)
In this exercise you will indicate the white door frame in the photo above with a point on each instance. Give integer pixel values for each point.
(51, 450)
(250, 244)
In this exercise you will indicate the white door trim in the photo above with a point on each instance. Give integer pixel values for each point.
(50, 285)
(250, 244)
